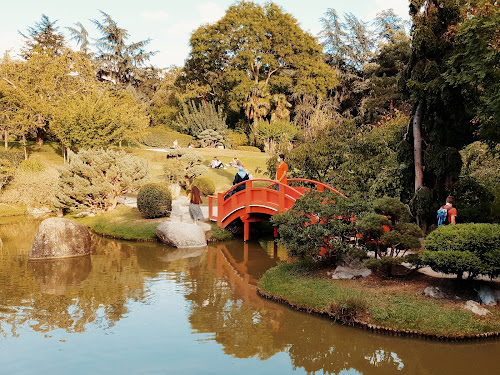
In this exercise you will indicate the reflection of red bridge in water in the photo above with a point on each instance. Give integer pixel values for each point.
(259, 200)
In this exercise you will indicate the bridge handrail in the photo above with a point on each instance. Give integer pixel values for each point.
(319, 185)
(211, 198)
(274, 182)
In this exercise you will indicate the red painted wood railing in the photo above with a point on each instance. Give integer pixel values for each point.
(258, 200)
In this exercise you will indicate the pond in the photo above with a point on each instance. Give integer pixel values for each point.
(145, 308)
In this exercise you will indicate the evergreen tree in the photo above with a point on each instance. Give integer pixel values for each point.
(115, 55)
(45, 35)
(440, 123)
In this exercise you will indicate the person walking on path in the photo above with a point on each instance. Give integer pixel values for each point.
(194, 205)
(281, 170)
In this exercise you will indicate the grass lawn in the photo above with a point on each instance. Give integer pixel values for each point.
(123, 222)
(223, 178)
(395, 307)
(12, 209)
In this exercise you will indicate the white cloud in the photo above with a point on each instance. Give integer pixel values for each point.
(210, 12)
(158, 15)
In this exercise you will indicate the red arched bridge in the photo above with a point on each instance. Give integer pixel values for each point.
(260, 199)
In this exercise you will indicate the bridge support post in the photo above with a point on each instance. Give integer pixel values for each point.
(246, 227)
(275, 231)
(246, 230)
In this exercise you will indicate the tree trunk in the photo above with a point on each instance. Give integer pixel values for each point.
(25, 149)
(40, 135)
(417, 147)
(120, 143)
(5, 136)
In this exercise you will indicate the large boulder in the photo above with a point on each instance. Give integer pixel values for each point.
(60, 238)
(180, 234)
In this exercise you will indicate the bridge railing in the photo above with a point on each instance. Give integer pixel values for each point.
(319, 186)
(285, 189)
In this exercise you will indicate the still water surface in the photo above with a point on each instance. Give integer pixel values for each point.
(144, 308)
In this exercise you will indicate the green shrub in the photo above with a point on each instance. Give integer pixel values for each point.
(7, 171)
(154, 200)
(182, 166)
(34, 190)
(210, 138)
(248, 148)
(235, 139)
(95, 179)
(473, 248)
(15, 157)
(205, 184)
(31, 166)
(313, 229)
(383, 264)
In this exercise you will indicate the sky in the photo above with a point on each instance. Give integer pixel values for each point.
(168, 23)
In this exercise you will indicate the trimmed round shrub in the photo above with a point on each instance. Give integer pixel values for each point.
(473, 248)
(205, 184)
(154, 200)
(248, 148)
(31, 166)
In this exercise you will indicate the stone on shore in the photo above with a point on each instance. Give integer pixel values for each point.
(476, 308)
(487, 296)
(60, 238)
(181, 235)
(434, 292)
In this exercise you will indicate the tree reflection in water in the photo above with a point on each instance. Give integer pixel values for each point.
(219, 285)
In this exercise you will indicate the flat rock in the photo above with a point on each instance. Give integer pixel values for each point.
(434, 292)
(342, 272)
(60, 238)
(476, 308)
(179, 234)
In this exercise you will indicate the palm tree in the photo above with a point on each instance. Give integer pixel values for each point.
(115, 55)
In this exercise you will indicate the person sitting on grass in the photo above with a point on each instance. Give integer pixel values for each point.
(216, 163)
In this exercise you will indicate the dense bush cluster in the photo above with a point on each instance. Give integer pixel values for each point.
(205, 184)
(93, 180)
(154, 200)
(319, 225)
(472, 248)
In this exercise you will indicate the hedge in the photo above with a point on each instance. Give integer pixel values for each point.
(473, 248)
(154, 200)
